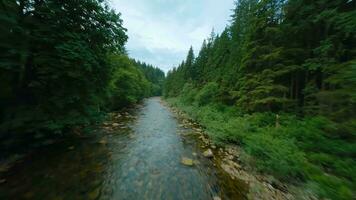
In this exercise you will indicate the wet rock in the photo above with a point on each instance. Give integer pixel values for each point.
(216, 198)
(4, 168)
(115, 125)
(103, 141)
(187, 161)
(208, 153)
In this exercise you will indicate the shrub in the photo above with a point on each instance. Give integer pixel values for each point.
(279, 157)
(207, 94)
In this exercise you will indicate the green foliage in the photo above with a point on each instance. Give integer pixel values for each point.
(295, 57)
(128, 83)
(63, 63)
(207, 94)
(279, 157)
(154, 75)
(54, 59)
(296, 150)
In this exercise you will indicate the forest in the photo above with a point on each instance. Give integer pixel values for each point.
(63, 65)
(280, 81)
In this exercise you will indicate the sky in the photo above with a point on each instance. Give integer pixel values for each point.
(162, 31)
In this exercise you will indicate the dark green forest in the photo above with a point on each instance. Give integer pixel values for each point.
(63, 65)
(280, 81)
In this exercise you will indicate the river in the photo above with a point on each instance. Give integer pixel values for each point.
(141, 159)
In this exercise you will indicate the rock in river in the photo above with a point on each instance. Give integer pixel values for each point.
(208, 153)
(187, 161)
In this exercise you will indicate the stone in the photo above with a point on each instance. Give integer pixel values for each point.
(216, 198)
(4, 167)
(103, 141)
(71, 148)
(187, 161)
(115, 124)
(94, 194)
(208, 153)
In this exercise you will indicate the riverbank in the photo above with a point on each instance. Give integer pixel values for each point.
(230, 160)
(267, 147)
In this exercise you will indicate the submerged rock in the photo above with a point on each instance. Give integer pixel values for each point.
(208, 153)
(187, 161)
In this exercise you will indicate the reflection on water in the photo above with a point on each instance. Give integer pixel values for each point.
(141, 160)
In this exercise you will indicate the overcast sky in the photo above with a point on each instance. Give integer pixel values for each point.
(161, 31)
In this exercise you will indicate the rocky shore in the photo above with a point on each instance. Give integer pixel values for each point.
(227, 158)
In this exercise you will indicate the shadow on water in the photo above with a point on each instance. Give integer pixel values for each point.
(140, 160)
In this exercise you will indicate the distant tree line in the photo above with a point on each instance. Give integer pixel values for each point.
(153, 74)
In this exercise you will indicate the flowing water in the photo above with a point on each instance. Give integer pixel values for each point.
(139, 160)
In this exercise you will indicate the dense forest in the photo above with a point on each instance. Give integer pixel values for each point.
(280, 81)
(154, 75)
(63, 64)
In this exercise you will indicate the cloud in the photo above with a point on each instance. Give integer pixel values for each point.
(161, 31)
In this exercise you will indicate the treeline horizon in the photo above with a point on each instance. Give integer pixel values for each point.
(280, 81)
